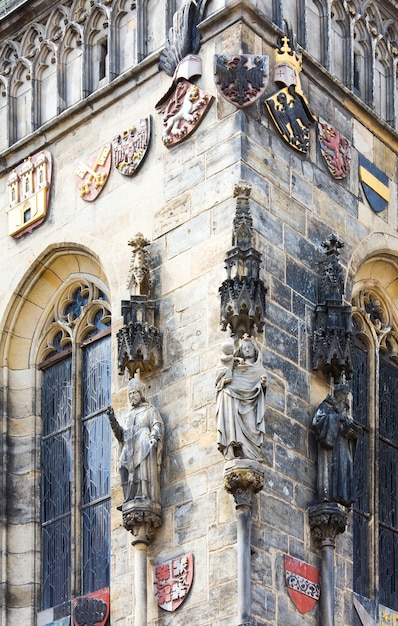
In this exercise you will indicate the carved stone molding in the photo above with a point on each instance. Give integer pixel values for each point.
(327, 520)
(243, 292)
(243, 478)
(142, 520)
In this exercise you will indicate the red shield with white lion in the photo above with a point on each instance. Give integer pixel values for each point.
(302, 581)
(182, 108)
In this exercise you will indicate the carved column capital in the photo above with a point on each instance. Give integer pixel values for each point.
(141, 519)
(327, 520)
(243, 478)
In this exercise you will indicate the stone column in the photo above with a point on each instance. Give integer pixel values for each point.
(327, 520)
(243, 478)
(141, 519)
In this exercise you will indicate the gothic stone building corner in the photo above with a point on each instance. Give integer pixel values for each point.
(199, 221)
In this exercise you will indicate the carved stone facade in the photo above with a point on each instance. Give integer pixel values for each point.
(232, 221)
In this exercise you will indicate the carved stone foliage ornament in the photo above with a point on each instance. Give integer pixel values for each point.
(92, 609)
(92, 173)
(241, 78)
(130, 147)
(335, 149)
(333, 319)
(288, 107)
(182, 110)
(243, 292)
(374, 183)
(29, 187)
(302, 582)
(172, 581)
(139, 340)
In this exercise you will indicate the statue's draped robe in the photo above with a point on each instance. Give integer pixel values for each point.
(240, 411)
(335, 454)
(137, 457)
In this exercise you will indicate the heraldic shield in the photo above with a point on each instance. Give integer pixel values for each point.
(335, 149)
(292, 116)
(130, 147)
(241, 78)
(375, 184)
(302, 582)
(183, 108)
(172, 581)
(92, 608)
(92, 174)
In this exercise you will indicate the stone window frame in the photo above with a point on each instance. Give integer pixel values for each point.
(73, 334)
(375, 317)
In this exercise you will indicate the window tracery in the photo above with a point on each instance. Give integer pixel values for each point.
(375, 402)
(75, 353)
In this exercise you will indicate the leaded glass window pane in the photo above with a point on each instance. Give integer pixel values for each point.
(361, 478)
(96, 464)
(56, 397)
(388, 484)
(96, 549)
(56, 459)
(57, 559)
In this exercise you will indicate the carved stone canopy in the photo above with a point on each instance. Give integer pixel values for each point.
(243, 292)
(333, 319)
(139, 340)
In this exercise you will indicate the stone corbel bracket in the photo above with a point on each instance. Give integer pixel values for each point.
(333, 319)
(243, 292)
(139, 340)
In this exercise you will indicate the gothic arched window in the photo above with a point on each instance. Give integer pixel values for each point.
(375, 410)
(47, 96)
(75, 445)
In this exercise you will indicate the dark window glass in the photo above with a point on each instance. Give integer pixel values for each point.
(56, 458)
(96, 465)
(361, 506)
(388, 484)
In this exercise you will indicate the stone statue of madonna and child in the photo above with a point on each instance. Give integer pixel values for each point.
(240, 407)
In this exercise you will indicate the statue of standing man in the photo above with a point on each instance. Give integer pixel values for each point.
(336, 433)
(141, 441)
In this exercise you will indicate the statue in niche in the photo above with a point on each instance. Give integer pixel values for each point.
(241, 383)
(336, 435)
(141, 442)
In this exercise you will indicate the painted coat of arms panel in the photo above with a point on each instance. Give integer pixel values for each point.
(130, 147)
(302, 581)
(335, 149)
(29, 187)
(182, 108)
(92, 173)
(241, 78)
(172, 581)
